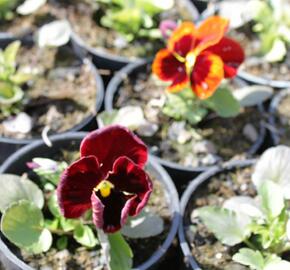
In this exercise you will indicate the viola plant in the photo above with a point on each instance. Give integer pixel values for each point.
(93, 201)
(259, 225)
(272, 24)
(11, 79)
(195, 62)
(8, 8)
(134, 19)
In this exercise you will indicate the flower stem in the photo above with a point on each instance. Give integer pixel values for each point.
(249, 244)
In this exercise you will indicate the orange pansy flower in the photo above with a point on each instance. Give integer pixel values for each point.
(199, 56)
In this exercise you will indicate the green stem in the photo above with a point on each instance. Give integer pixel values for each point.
(249, 244)
(60, 232)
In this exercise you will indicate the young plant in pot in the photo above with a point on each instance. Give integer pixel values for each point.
(263, 30)
(237, 216)
(81, 216)
(200, 119)
(15, 14)
(120, 31)
(45, 87)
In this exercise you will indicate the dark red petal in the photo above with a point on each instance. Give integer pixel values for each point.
(111, 213)
(110, 143)
(210, 32)
(76, 186)
(182, 39)
(231, 53)
(207, 75)
(130, 178)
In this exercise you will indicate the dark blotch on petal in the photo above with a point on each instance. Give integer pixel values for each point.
(130, 178)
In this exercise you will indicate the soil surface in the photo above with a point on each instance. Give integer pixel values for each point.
(60, 95)
(77, 257)
(84, 17)
(215, 138)
(283, 120)
(206, 249)
(254, 64)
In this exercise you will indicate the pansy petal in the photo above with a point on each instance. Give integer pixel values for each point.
(210, 32)
(166, 66)
(110, 213)
(207, 75)
(76, 186)
(231, 53)
(182, 39)
(112, 142)
(131, 179)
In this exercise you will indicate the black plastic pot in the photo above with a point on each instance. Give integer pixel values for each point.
(188, 194)
(181, 174)
(16, 164)
(106, 60)
(10, 145)
(274, 132)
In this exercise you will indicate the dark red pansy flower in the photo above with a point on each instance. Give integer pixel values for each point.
(109, 178)
(199, 56)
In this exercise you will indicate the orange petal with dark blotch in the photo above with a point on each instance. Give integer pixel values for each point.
(182, 39)
(179, 83)
(231, 53)
(210, 32)
(207, 75)
(166, 66)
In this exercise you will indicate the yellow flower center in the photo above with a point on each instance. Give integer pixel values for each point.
(105, 187)
(190, 61)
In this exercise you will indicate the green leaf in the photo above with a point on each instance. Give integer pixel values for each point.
(62, 242)
(223, 103)
(272, 198)
(21, 78)
(84, 235)
(53, 205)
(227, 226)
(10, 53)
(120, 253)
(277, 52)
(273, 262)
(44, 243)
(22, 223)
(14, 188)
(68, 224)
(51, 224)
(249, 257)
(184, 106)
(144, 225)
(253, 95)
(9, 93)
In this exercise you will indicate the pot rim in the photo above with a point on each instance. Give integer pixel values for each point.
(186, 196)
(125, 72)
(165, 179)
(119, 59)
(275, 102)
(99, 87)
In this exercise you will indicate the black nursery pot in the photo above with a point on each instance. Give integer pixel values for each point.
(179, 173)
(273, 129)
(10, 145)
(192, 188)
(16, 164)
(106, 60)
